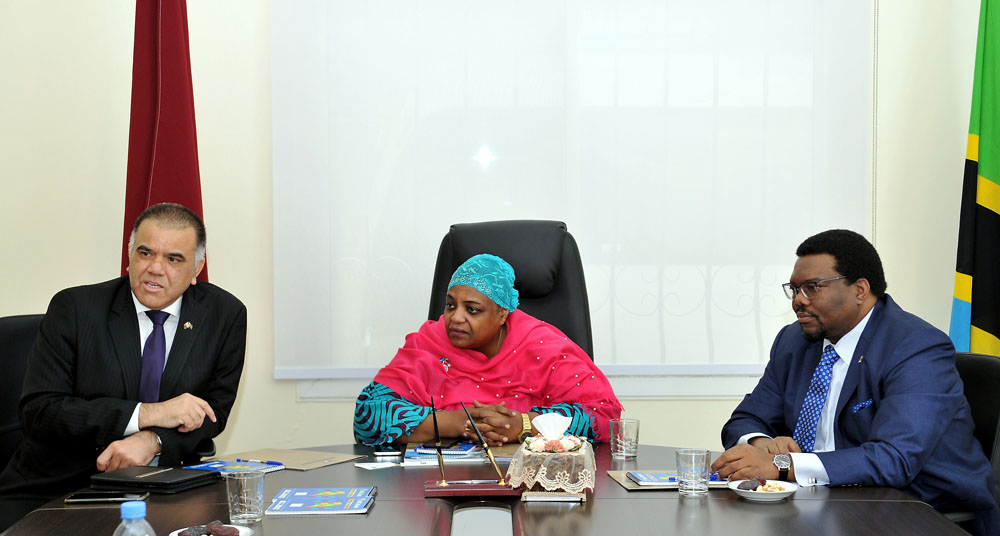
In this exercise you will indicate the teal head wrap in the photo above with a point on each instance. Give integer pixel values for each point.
(490, 275)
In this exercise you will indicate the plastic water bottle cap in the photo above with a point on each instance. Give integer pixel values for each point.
(133, 510)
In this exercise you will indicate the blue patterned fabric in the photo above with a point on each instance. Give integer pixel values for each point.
(490, 275)
(812, 406)
(382, 416)
(858, 407)
(581, 425)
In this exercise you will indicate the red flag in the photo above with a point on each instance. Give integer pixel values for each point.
(162, 140)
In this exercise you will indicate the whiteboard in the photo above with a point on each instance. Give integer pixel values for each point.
(688, 146)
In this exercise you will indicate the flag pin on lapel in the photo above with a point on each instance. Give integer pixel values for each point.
(188, 325)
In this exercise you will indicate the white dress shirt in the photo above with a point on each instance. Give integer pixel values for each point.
(809, 470)
(145, 328)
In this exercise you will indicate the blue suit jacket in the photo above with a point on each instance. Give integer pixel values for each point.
(902, 420)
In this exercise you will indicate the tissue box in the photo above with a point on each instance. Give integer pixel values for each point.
(545, 470)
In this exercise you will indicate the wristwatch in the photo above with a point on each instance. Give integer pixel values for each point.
(783, 462)
(525, 428)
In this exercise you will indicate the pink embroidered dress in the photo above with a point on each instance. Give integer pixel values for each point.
(537, 369)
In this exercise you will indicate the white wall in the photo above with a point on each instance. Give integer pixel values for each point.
(64, 136)
(926, 60)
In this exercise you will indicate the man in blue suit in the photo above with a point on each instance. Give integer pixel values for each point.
(860, 392)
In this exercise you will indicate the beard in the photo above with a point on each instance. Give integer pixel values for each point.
(814, 337)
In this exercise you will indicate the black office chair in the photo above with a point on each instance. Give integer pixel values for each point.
(17, 334)
(547, 267)
(981, 375)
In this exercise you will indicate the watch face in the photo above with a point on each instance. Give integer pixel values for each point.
(782, 461)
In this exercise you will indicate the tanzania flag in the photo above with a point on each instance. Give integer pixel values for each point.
(975, 313)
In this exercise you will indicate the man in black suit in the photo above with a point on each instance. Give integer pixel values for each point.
(89, 404)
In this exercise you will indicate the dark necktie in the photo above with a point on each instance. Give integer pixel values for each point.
(154, 354)
(812, 406)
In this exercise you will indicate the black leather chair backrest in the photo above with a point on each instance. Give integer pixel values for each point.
(547, 267)
(981, 376)
(17, 334)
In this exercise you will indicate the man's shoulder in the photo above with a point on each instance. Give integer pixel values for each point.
(790, 338)
(898, 335)
(897, 322)
(213, 296)
(94, 292)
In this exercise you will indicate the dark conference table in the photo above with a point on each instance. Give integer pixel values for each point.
(400, 507)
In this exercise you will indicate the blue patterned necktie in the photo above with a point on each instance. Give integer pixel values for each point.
(154, 355)
(812, 406)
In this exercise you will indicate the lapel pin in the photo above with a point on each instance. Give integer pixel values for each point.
(188, 325)
(860, 359)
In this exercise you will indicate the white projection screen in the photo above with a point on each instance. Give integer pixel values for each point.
(688, 146)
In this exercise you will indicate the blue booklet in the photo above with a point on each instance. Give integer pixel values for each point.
(668, 479)
(458, 449)
(226, 466)
(461, 453)
(322, 501)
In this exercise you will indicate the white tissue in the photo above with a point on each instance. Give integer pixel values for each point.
(551, 425)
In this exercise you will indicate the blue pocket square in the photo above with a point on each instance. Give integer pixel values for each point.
(861, 406)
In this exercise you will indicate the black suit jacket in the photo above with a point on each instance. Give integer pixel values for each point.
(82, 381)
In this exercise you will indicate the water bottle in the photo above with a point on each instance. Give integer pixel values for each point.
(134, 520)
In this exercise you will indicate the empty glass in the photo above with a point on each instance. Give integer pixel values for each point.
(692, 472)
(624, 439)
(245, 495)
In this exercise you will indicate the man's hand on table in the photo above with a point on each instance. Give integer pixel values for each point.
(747, 461)
(136, 449)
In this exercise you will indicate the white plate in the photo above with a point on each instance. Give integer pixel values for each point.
(244, 531)
(765, 496)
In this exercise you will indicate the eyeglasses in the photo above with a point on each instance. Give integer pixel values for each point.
(809, 289)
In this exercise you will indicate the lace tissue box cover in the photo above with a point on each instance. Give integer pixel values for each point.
(551, 461)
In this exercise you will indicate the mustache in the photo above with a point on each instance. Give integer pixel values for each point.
(803, 308)
(811, 337)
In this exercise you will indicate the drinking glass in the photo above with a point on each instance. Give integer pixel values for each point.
(245, 496)
(692, 472)
(624, 439)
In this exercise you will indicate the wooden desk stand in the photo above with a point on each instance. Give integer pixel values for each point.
(469, 488)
